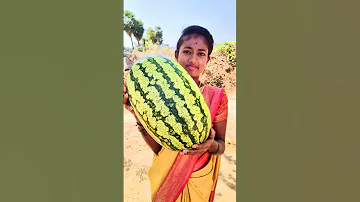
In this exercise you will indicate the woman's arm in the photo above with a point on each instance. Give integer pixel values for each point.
(154, 146)
(218, 146)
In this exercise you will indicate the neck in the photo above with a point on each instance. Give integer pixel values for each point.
(197, 81)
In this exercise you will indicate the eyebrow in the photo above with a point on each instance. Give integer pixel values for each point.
(192, 48)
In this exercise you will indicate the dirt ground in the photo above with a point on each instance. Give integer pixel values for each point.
(138, 158)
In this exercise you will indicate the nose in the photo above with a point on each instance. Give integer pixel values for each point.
(193, 59)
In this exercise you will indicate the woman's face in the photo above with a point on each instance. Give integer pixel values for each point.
(193, 56)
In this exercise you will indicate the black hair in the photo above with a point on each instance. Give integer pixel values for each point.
(197, 31)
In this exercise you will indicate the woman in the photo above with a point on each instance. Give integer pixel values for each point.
(190, 175)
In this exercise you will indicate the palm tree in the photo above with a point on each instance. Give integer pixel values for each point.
(129, 24)
(139, 31)
(158, 31)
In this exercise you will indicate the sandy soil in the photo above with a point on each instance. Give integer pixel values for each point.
(138, 158)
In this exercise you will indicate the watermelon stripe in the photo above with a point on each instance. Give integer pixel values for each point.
(152, 106)
(197, 101)
(180, 73)
(172, 109)
(187, 101)
(143, 116)
(142, 93)
(185, 128)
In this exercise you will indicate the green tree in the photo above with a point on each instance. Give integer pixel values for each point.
(154, 35)
(144, 43)
(151, 35)
(158, 33)
(129, 24)
(139, 31)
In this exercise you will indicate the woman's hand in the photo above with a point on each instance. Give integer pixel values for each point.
(201, 148)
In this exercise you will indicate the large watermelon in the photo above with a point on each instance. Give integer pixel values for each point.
(168, 102)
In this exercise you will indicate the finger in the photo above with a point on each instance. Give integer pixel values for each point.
(126, 98)
(124, 90)
(127, 103)
(203, 146)
(186, 151)
(212, 133)
(128, 107)
(183, 152)
(194, 152)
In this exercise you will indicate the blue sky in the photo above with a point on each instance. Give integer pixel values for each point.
(218, 16)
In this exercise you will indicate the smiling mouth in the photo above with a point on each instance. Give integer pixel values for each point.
(192, 67)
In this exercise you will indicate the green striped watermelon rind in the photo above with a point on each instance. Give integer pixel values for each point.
(168, 103)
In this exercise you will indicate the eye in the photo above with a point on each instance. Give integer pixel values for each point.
(186, 52)
(202, 54)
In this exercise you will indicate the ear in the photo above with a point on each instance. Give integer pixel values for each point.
(176, 55)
